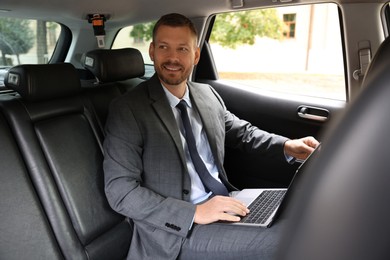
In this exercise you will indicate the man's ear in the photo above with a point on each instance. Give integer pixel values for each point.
(151, 51)
(197, 55)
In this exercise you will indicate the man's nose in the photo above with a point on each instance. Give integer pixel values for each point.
(173, 55)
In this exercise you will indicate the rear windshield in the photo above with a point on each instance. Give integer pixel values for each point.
(25, 41)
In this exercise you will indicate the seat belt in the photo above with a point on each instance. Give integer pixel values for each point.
(364, 59)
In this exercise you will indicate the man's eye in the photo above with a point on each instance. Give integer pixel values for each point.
(163, 47)
(183, 49)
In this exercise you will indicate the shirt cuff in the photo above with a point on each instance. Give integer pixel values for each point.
(289, 158)
(192, 223)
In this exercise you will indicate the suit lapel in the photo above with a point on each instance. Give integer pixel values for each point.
(204, 104)
(164, 111)
(205, 109)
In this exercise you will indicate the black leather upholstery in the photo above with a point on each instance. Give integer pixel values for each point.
(40, 86)
(342, 210)
(114, 65)
(98, 101)
(117, 72)
(61, 147)
(25, 230)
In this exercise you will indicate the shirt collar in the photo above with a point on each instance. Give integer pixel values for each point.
(173, 100)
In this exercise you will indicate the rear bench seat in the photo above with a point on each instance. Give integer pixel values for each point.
(24, 227)
(60, 142)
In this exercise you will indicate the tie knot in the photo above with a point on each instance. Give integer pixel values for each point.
(182, 105)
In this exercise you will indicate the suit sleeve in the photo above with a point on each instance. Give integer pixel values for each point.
(123, 167)
(243, 135)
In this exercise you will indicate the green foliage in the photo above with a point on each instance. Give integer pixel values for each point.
(142, 32)
(16, 37)
(233, 29)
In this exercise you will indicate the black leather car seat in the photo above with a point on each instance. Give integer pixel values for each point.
(342, 209)
(61, 148)
(25, 230)
(117, 71)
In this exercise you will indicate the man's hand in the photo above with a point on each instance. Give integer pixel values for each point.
(300, 148)
(220, 208)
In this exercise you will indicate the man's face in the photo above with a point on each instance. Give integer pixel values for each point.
(174, 53)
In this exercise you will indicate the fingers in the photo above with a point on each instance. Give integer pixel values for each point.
(301, 148)
(310, 141)
(228, 205)
(309, 144)
(234, 207)
(220, 208)
(228, 217)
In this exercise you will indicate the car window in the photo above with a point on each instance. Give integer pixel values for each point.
(295, 49)
(139, 37)
(25, 41)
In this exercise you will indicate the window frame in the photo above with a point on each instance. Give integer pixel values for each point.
(212, 73)
(62, 47)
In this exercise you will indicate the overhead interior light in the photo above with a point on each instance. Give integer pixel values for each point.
(4, 10)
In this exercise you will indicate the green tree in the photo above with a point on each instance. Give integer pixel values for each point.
(46, 35)
(16, 37)
(233, 29)
(142, 32)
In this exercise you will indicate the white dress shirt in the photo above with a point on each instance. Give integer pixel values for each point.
(198, 192)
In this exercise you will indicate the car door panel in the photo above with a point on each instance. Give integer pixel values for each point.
(290, 115)
(293, 116)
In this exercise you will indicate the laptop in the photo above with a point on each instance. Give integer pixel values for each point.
(265, 204)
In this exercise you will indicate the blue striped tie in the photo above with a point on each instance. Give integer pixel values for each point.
(210, 183)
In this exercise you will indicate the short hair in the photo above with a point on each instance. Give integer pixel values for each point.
(174, 20)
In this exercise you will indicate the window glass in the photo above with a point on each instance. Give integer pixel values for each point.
(295, 49)
(289, 21)
(26, 42)
(139, 37)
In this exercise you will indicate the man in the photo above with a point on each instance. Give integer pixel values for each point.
(151, 175)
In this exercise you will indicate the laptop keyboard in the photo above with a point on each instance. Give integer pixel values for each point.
(263, 206)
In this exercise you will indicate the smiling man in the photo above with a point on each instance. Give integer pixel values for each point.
(164, 153)
(174, 53)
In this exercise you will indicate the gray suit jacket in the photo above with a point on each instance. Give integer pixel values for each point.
(144, 164)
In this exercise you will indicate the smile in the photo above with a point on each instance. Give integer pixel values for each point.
(172, 68)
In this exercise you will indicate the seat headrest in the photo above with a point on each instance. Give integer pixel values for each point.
(43, 81)
(380, 63)
(114, 65)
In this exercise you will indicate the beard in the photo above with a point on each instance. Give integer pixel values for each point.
(173, 80)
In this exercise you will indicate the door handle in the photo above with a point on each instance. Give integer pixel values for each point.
(313, 113)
